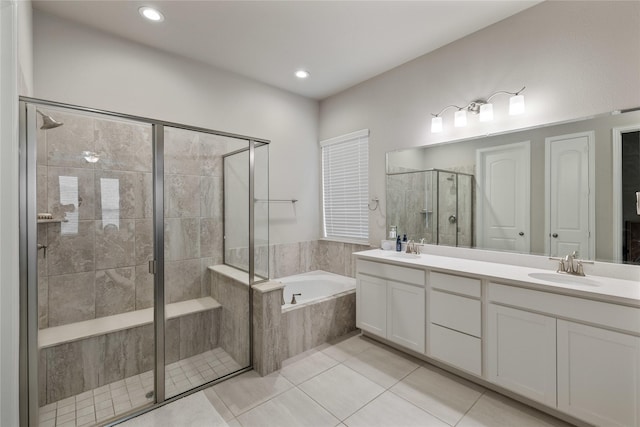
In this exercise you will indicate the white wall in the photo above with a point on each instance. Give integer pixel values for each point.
(25, 48)
(576, 59)
(81, 66)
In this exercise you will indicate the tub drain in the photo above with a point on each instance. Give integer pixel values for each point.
(149, 395)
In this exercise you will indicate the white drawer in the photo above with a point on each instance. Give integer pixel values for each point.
(457, 284)
(391, 272)
(456, 312)
(596, 312)
(456, 349)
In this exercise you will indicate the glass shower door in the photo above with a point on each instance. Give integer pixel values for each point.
(94, 293)
(206, 308)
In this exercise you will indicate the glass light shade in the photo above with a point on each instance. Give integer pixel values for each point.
(302, 74)
(460, 119)
(516, 105)
(486, 113)
(436, 125)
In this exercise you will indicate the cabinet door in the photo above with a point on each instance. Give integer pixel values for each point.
(598, 375)
(371, 305)
(522, 352)
(405, 322)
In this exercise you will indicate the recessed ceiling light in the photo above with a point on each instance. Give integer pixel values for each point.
(302, 74)
(151, 14)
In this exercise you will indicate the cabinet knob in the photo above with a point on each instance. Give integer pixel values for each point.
(554, 235)
(521, 233)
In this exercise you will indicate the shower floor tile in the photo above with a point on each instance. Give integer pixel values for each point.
(105, 402)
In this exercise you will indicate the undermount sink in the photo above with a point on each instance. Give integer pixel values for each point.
(565, 279)
(403, 255)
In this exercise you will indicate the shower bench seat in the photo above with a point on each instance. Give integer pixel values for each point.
(57, 335)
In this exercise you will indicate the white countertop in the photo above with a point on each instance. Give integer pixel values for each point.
(593, 287)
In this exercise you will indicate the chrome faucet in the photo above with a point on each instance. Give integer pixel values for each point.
(412, 247)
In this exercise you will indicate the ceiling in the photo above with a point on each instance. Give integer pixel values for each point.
(341, 43)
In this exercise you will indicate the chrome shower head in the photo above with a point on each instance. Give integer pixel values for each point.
(48, 122)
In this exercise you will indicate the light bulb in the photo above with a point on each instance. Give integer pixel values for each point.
(460, 119)
(151, 14)
(436, 124)
(486, 113)
(516, 105)
(302, 74)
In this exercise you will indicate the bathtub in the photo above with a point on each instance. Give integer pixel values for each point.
(314, 287)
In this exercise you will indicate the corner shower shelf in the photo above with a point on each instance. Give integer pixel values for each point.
(424, 211)
(51, 221)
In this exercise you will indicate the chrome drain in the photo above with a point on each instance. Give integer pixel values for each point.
(149, 395)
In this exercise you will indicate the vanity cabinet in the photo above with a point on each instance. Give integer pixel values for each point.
(405, 315)
(455, 321)
(522, 352)
(598, 374)
(576, 354)
(390, 303)
(563, 351)
(371, 304)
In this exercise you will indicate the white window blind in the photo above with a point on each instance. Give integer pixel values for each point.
(345, 186)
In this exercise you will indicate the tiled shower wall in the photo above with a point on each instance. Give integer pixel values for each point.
(96, 263)
(100, 256)
(193, 211)
(294, 258)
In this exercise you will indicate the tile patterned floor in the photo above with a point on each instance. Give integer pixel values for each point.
(103, 403)
(354, 382)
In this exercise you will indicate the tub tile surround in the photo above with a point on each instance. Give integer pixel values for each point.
(280, 334)
(287, 259)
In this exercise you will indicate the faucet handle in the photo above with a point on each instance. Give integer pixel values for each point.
(561, 268)
(579, 269)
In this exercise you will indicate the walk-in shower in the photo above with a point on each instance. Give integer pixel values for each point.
(433, 206)
(123, 223)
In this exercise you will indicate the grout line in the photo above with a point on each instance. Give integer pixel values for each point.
(470, 407)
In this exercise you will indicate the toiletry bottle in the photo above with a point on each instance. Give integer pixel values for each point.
(392, 232)
(404, 237)
(398, 244)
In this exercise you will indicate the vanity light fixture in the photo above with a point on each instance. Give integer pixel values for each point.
(151, 14)
(302, 74)
(480, 106)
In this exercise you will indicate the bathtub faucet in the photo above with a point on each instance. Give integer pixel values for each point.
(293, 299)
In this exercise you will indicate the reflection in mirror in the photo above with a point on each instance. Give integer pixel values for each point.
(436, 206)
(549, 190)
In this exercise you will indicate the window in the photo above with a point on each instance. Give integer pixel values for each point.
(345, 186)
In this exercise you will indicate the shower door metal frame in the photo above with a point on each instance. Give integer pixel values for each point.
(28, 384)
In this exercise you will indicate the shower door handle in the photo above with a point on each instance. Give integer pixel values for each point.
(152, 266)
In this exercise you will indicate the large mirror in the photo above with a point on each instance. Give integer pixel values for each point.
(549, 190)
